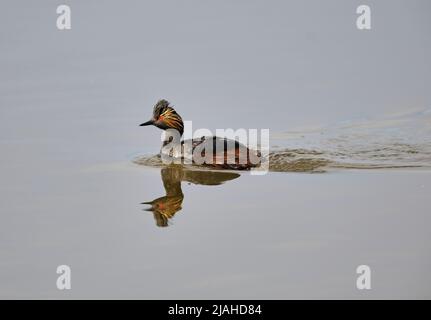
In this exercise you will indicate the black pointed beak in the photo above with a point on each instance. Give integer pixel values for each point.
(150, 209)
(148, 123)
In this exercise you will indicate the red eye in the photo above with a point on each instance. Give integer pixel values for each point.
(161, 118)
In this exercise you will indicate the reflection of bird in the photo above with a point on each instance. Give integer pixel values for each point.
(213, 151)
(164, 208)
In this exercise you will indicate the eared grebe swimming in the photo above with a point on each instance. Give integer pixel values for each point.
(219, 153)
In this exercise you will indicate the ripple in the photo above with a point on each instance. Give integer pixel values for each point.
(395, 141)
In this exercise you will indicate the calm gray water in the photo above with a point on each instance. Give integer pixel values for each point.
(349, 116)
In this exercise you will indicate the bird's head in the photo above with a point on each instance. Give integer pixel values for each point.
(165, 117)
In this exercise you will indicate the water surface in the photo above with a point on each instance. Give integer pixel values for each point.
(348, 114)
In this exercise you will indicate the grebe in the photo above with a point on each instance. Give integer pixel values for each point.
(225, 153)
